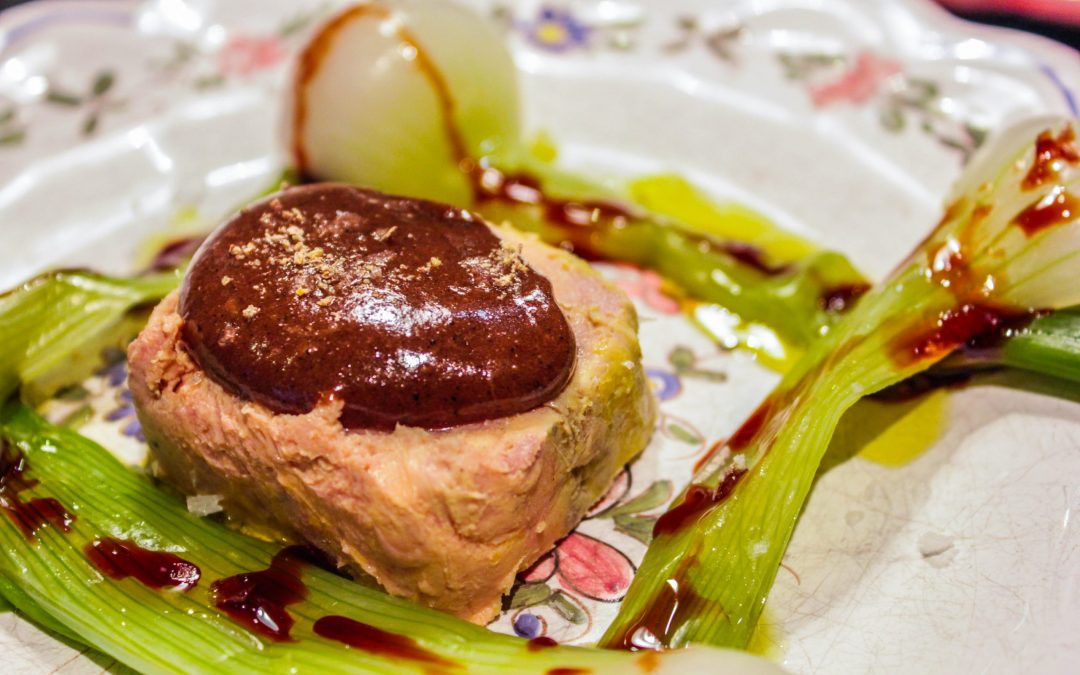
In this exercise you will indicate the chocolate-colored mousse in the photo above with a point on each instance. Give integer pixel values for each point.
(407, 311)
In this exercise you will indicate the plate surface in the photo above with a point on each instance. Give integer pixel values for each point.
(946, 545)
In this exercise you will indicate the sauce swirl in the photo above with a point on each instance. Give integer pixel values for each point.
(407, 311)
(259, 600)
(29, 516)
(368, 638)
(119, 559)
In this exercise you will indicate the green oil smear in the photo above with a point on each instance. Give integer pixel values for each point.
(916, 426)
(673, 196)
(766, 639)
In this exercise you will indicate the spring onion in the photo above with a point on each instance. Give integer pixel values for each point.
(1005, 251)
(51, 578)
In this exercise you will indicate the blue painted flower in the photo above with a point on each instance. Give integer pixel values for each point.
(666, 384)
(556, 30)
(115, 373)
(527, 625)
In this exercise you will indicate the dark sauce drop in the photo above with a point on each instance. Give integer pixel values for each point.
(1050, 152)
(118, 559)
(743, 436)
(955, 328)
(841, 298)
(29, 516)
(540, 643)
(753, 257)
(577, 221)
(655, 628)
(697, 501)
(1060, 207)
(368, 638)
(569, 671)
(259, 600)
(580, 221)
(407, 311)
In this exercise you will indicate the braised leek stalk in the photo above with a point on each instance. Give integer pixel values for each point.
(1050, 345)
(435, 86)
(181, 630)
(48, 318)
(1007, 248)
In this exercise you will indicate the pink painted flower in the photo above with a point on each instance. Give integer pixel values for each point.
(587, 566)
(859, 84)
(647, 286)
(246, 54)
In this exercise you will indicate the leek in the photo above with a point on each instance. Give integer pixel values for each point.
(171, 631)
(985, 268)
(47, 319)
(1049, 346)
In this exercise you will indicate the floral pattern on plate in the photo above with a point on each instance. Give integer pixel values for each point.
(164, 108)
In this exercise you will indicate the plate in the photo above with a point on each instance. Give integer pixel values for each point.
(946, 544)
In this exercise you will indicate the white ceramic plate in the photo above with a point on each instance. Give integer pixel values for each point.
(845, 120)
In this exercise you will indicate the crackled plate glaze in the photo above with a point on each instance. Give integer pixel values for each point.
(947, 544)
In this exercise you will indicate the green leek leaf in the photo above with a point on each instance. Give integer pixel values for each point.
(170, 631)
(48, 318)
(715, 553)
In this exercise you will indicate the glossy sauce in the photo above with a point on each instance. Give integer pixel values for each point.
(259, 600)
(1058, 208)
(1050, 153)
(655, 628)
(373, 640)
(578, 220)
(406, 311)
(540, 643)
(742, 436)
(698, 500)
(29, 516)
(841, 298)
(954, 328)
(118, 559)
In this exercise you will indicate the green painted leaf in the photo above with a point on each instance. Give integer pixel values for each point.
(681, 357)
(90, 124)
(892, 118)
(77, 417)
(683, 434)
(638, 527)
(72, 392)
(103, 83)
(706, 374)
(13, 137)
(655, 495)
(63, 98)
(566, 609)
(528, 595)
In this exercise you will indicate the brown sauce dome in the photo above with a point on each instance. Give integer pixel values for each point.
(407, 311)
